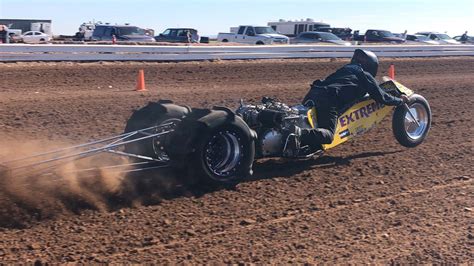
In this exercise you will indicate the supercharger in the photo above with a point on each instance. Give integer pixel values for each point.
(271, 121)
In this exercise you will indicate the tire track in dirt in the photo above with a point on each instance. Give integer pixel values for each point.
(248, 227)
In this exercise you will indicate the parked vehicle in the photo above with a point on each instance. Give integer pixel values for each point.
(121, 32)
(293, 28)
(470, 39)
(377, 36)
(317, 37)
(343, 33)
(183, 35)
(35, 37)
(439, 37)
(417, 38)
(85, 31)
(14, 36)
(399, 35)
(254, 35)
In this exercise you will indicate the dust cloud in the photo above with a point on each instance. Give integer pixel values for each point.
(28, 195)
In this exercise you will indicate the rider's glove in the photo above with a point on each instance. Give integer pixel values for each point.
(404, 98)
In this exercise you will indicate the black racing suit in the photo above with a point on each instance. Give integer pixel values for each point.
(341, 88)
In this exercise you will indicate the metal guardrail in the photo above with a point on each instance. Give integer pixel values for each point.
(49, 52)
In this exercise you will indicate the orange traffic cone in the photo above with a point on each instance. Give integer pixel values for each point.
(141, 81)
(391, 71)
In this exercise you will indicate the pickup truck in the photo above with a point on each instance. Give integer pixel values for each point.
(254, 35)
(377, 36)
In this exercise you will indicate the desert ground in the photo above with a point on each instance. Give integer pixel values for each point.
(370, 200)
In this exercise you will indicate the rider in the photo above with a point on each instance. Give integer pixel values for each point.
(339, 89)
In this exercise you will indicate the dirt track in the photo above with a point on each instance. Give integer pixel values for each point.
(370, 200)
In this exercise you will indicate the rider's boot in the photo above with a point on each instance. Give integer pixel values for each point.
(292, 143)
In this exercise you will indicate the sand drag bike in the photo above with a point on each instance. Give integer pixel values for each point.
(218, 146)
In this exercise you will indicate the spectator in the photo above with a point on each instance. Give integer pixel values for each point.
(464, 37)
(355, 35)
(11, 37)
(189, 36)
(3, 34)
(195, 36)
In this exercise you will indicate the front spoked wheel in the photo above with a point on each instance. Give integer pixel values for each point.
(411, 123)
(416, 121)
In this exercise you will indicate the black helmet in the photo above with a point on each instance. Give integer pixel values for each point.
(367, 59)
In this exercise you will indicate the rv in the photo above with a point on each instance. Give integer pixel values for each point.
(293, 28)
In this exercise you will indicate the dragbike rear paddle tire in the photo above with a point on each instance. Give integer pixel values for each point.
(155, 113)
(407, 131)
(224, 151)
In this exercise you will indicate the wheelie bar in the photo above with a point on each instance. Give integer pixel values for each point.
(41, 163)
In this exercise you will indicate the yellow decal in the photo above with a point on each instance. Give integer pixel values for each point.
(311, 115)
(358, 119)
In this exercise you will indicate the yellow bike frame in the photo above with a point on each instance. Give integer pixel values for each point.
(361, 117)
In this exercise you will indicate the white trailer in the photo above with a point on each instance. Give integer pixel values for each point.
(293, 28)
(44, 27)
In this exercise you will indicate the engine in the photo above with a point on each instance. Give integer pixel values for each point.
(271, 120)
